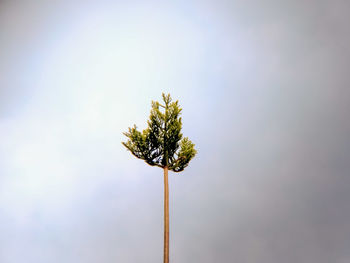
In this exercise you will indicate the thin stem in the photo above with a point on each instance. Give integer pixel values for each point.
(166, 216)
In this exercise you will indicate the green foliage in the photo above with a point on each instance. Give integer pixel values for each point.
(161, 143)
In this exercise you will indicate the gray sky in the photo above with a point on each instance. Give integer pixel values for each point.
(265, 97)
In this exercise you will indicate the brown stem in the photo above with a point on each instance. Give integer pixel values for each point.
(166, 216)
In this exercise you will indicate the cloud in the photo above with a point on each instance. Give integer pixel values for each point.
(263, 91)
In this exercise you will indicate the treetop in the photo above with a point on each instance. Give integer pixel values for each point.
(161, 143)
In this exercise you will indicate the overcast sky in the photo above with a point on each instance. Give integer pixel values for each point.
(264, 87)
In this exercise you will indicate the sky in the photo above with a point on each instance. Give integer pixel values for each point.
(264, 87)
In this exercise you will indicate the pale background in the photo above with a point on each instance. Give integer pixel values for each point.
(264, 87)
